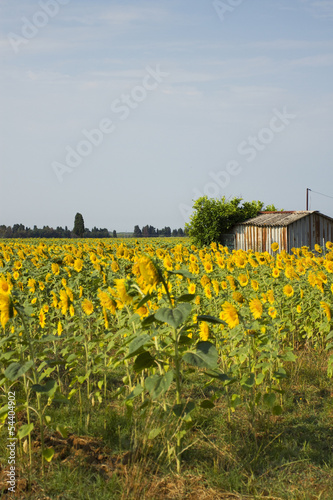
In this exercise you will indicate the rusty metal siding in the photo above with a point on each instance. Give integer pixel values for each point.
(310, 231)
(259, 239)
(313, 228)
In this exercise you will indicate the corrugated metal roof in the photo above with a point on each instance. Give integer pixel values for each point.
(277, 218)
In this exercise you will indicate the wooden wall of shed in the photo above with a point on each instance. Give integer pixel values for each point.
(309, 231)
(259, 239)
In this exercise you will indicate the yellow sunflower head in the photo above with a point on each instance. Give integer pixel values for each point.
(256, 308)
(229, 315)
(288, 291)
(87, 307)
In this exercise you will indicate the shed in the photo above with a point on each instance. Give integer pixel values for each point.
(288, 229)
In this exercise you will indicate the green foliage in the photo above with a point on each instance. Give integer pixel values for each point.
(78, 225)
(213, 217)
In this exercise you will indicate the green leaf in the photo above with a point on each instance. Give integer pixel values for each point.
(145, 299)
(211, 319)
(280, 373)
(16, 370)
(143, 361)
(63, 430)
(207, 404)
(25, 430)
(154, 432)
(186, 297)
(217, 374)
(48, 338)
(288, 356)
(183, 409)
(329, 336)
(48, 388)
(138, 389)
(183, 272)
(260, 378)
(148, 321)
(269, 399)
(137, 344)
(329, 346)
(277, 410)
(185, 340)
(205, 356)
(158, 384)
(4, 410)
(48, 454)
(174, 317)
(248, 380)
(235, 401)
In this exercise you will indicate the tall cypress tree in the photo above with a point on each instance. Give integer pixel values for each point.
(78, 225)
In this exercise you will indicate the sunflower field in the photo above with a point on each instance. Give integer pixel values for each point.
(158, 330)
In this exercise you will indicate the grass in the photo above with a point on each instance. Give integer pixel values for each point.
(286, 457)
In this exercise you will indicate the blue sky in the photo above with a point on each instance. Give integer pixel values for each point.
(127, 111)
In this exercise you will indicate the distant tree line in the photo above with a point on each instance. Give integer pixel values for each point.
(20, 231)
(151, 232)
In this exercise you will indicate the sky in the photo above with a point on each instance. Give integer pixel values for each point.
(128, 111)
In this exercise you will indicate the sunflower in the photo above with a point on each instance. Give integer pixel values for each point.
(288, 291)
(224, 285)
(208, 266)
(115, 266)
(42, 318)
(6, 308)
(106, 301)
(329, 245)
(270, 296)
(318, 248)
(216, 287)
(299, 309)
(274, 246)
(191, 288)
(121, 292)
(328, 267)
(204, 281)
(253, 262)
(255, 285)
(59, 328)
(240, 261)
(55, 268)
(203, 331)
(167, 263)
(243, 279)
(256, 308)
(238, 297)
(208, 292)
(327, 310)
(63, 302)
(87, 307)
(147, 274)
(272, 312)
(31, 285)
(232, 282)
(78, 265)
(229, 315)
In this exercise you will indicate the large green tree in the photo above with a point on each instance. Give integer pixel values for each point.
(78, 225)
(214, 217)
